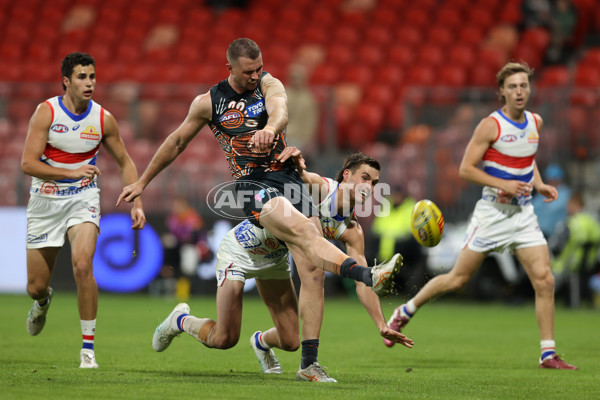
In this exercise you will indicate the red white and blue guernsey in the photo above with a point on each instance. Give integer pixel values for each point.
(511, 156)
(73, 141)
(333, 225)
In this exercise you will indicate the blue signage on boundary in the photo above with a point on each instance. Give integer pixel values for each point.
(126, 260)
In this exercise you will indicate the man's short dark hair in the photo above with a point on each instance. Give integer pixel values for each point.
(354, 161)
(71, 60)
(242, 47)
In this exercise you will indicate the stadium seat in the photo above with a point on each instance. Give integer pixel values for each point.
(538, 38)
(554, 76)
(530, 54)
(400, 55)
(324, 74)
(390, 74)
(587, 76)
(408, 36)
(339, 54)
(482, 76)
(470, 35)
(481, 17)
(495, 58)
(441, 36)
(378, 36)
(345, 35)
(369, 55)
(449, 17)
(359, 74)
(430, 55)
(451, 75)
(461, 54)
(421, 75)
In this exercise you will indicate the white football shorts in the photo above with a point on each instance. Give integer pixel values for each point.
(48, 219)
(237, 264)
(499, 227)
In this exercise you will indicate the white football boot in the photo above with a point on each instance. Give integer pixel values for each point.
(36, 319)
(167, 330)
(88, 359)
(267, 359)
(315, 372)
(384, 276)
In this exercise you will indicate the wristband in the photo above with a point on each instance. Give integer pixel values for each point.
(269, 128)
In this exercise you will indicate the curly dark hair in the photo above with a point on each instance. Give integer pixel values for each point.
(71, 60)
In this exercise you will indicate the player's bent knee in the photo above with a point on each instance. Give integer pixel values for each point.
(292, 345)
(37, 290)
(225, 341)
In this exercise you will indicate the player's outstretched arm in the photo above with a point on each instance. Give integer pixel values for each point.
(198, 116)
(316, 183)
(113, 143)
(353, 238)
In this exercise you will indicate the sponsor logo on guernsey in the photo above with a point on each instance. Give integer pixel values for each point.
(255, 109)
(75, 127)
(90, 133)
(49, 188)
(271, 243)
(37, 238)
(245, 237)
(508, 138)
(533, 137)
(59, 128)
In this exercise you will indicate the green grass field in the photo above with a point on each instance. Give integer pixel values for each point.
(462, 351)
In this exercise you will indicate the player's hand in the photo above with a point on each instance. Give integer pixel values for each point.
(138, 217)
(517, 188)
(396, 337)
(130, 192)
(295, 154)
(549, 192)
(86, 171)
(263, 140)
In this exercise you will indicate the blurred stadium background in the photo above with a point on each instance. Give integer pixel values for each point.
(403, 81)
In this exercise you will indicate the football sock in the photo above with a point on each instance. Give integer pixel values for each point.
(88, 331)
(43, 302)
(350, 269)
(409, 308)
(259, 341)
(180, 320)
(310, 352)
(200, 328)
(548, 348)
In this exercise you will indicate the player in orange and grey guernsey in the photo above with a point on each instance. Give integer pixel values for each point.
(247, 113)
(506, 142)
(60, 154)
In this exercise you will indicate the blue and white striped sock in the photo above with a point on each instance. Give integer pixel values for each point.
(409, 309)
(88, 332)
(180, 320)
(548, 348)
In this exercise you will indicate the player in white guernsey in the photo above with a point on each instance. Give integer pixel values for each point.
(60, 154)
(248, 251)
(504, 218)
(335, 200)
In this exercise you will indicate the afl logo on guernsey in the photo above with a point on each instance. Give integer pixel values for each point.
(232, 119)
(508, 138)
(59, 128)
